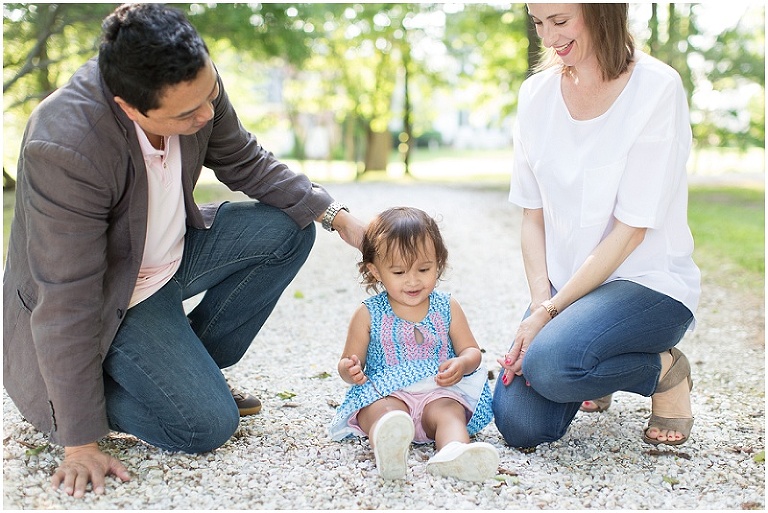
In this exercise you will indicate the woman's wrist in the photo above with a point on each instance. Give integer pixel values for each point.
(550, 308)
(539, 315)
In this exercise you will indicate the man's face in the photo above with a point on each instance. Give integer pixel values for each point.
(184, 108)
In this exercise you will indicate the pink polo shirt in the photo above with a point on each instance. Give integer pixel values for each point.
(166, 217)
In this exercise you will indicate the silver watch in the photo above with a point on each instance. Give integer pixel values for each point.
(330, 214)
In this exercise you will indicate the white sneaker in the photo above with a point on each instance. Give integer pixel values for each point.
(392, 436)
(476, 461)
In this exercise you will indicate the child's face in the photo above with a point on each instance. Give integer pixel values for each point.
(409, 285)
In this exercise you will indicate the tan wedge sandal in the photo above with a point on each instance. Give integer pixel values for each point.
(680, 370)
(600, 404)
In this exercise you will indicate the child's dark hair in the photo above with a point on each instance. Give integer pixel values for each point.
(403, 229)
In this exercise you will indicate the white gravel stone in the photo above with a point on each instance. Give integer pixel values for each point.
(284, 459)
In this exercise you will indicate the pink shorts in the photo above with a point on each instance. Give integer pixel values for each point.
(416, 402)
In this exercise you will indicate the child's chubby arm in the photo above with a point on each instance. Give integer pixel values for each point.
(468, 356)
(352, 360)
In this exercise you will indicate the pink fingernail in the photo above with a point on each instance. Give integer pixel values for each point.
(504, 379)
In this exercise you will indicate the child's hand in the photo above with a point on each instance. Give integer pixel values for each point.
(352, 371)
(449, 373)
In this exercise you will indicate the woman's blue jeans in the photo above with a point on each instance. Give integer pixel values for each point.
(162, 374)
(609, 340)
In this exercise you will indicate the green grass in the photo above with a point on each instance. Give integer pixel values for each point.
(728, 226)
(8, 204)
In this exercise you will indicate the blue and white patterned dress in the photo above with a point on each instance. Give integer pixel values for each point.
(396, 361)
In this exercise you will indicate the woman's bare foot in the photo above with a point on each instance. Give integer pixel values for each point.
(674, 403)
(597, 405)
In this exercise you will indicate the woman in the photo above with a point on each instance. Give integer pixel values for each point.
(601, 142)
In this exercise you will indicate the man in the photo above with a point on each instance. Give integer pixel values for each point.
(107, 242)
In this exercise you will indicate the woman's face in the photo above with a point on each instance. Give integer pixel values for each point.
(561, 27)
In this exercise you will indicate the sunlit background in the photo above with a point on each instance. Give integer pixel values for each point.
(364, 87)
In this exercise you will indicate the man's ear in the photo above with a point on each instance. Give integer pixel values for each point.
(129, 110)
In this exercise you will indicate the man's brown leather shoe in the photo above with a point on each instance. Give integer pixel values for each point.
(246, 403)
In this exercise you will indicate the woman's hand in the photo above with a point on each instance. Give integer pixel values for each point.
(351, 370)
(512, 363)
(85, 464)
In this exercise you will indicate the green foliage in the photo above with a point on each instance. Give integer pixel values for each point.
(491, 44)
(35, 451)
(724, 73)
(736, 62)
(738, 54)
(343, 66)
(43, 44)
(262, 30)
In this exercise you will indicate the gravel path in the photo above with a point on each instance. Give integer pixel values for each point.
(283, 458)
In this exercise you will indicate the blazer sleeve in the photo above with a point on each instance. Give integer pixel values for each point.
(67, 205)
(241, 163)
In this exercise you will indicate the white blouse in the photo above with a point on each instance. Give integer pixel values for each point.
(628, 163)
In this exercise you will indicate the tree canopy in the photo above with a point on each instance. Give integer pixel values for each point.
(360, 69)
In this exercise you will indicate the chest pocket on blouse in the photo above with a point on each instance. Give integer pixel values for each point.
(600, 189)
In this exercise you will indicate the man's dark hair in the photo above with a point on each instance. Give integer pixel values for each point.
(146, 48)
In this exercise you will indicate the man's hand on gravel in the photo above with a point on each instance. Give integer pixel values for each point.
(85, 464)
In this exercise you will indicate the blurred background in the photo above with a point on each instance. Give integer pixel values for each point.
(415, 92)
(343, 90)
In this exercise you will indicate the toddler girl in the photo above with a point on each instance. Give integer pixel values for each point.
(411, 358)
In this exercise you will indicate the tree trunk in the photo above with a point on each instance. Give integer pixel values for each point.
(377, 151)
(349, 139)
(299, 134)
(407, 144)
(673, 31)
(37, 59)
(44, 75)
(653, 24)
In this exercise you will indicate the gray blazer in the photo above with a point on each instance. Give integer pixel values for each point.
(77, 241)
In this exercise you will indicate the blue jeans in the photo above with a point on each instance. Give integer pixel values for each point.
(162, 374)
(609, 340)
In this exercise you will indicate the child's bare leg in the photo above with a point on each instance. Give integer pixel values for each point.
(368, 417)
(390, 430)
(444, 420)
